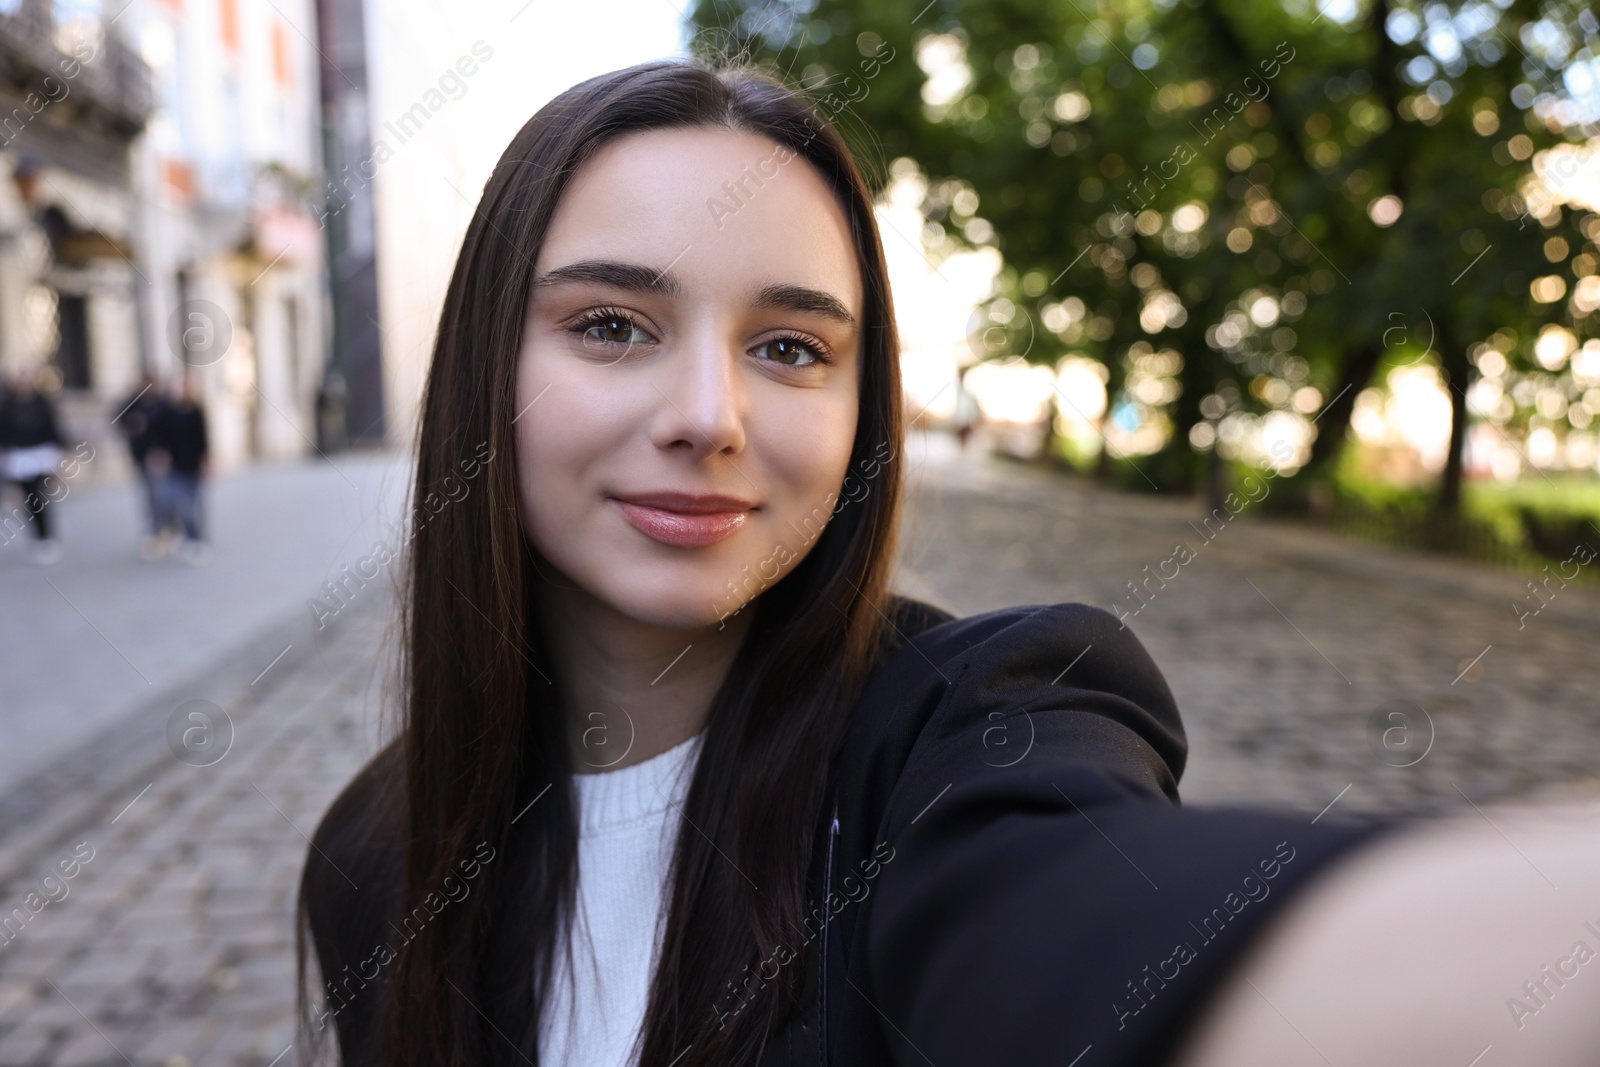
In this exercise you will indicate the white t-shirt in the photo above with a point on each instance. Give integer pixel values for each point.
(628, 823)
(22, 464)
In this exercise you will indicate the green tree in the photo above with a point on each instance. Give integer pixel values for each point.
(1229, 204)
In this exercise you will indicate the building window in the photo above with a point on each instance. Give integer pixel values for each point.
(72, 341)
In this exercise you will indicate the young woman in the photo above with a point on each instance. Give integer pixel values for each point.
(679, 780)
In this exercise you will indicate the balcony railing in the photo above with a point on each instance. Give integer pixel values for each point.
(115, 79)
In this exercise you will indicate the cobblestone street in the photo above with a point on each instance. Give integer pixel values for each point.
(1288, 648)
(173, 944)
(170, 943)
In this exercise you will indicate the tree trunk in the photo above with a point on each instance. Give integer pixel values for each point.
(1216, 479)
(1176, 466)
(1117, 375)
(1456, 371)
(1333, 424)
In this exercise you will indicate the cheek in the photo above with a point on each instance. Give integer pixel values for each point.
(563, 431)
(805, 444)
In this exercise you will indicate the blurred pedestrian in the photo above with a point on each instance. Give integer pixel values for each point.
(966, 416)
(30, 439)
(180, 435)
(332, 399)
(137, 422)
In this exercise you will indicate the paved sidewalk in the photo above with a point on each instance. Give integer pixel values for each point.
(86, 643)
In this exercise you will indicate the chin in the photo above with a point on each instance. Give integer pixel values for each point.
(684, 603)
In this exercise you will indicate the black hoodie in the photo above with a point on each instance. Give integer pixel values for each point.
(28, 422)
(1009, 877)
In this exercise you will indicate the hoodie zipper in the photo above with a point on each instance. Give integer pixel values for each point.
(827, 914)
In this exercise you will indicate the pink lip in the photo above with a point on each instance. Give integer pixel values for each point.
(684, 520)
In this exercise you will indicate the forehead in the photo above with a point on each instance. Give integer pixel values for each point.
(720, 207)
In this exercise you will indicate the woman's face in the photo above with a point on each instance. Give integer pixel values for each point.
(688, 383)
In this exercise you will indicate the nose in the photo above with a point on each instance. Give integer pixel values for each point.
(701, 401)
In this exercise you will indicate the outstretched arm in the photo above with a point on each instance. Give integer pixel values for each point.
(1467, 941)
(1047, 898)
(1027, 919)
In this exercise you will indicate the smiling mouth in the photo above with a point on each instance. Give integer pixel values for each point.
(682, 521)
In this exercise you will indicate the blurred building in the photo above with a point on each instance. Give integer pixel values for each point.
(73, 99)
(233, 255)
(164, 155)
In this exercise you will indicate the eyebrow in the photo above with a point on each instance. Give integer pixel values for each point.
(801, 298)
(641, 279)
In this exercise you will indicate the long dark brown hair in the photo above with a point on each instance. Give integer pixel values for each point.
(483, 737)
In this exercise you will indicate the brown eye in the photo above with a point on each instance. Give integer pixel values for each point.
(610, 334)
(614, 331)
(792, 352)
